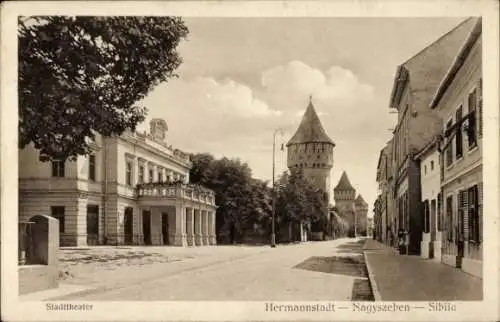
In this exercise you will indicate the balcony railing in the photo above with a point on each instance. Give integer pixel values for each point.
(186, 191)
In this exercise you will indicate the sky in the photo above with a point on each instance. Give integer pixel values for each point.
(243, 78)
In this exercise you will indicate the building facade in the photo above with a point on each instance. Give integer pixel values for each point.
(459, 102)
(132, 189)
(386, 196)
(415, 83)
(430, 246)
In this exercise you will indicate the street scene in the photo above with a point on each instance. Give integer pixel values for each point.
(250, 159)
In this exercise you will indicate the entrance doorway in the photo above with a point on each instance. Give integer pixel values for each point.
(92, 225)
(164, 227)
(146, 226)
(129, 226)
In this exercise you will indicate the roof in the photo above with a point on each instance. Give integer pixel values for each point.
(429, 147)
(360, 201)
(310, 129)
(344, 183)
(457, 63)
(427, 68)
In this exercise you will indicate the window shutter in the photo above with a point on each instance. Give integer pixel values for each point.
(465, 218)
(480, 210)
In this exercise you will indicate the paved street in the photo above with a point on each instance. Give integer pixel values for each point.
(410, 278)
(261, 273)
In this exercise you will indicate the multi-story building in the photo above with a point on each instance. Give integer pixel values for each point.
(458, 100)
(132, 189)
(415, 82)
(384, 180)
(430, 246)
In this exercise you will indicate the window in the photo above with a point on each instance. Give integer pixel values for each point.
(128, 173)
(141, 174)
(58, 168)
(160, 175)
(425, 169)
(473, 213)
(432, 165)
(449, 218)
(458, 135)
(449, 151)
(58, 213)
(150, 175)
(92, 167)
(471, 133)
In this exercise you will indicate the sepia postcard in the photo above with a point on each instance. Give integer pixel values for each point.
(250, 160)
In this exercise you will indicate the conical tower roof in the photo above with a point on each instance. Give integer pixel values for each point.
(344, 183)
(361, 201)
(310, 129)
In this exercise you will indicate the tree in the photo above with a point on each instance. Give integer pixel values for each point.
(242, 200)
(298, 201)
(79, 76)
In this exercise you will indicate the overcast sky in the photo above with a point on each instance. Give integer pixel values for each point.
(242, 78)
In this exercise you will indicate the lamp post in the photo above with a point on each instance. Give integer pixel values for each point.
(273, 233)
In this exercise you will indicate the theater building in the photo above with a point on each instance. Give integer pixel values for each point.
(132, 189)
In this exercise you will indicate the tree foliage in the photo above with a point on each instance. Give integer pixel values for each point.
(298, 200)
(242, 200)
(79, 76)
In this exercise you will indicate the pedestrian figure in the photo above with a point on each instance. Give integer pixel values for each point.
(401, 242)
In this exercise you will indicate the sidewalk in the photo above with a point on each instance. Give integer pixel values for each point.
(410, 278)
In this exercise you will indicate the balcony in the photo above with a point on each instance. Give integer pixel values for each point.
(175, 191)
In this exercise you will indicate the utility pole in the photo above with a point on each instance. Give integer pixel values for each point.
(273, 224)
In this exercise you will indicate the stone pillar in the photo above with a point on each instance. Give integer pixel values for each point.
(204, 227)
(81, 222)
(180, 226)
(211, 228)
(197, 227)
(190, 226)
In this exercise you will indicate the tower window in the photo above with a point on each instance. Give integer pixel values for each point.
(318, 156)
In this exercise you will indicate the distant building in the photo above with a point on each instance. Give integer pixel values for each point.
(361, 208)
(132, 189)
(385, 201)
(415, 83)
(370, 229)
(311, 150)
(345, 196)
(459, 102)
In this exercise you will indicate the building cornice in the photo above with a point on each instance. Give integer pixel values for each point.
(141, 143)
(400, 80)
(457, 63)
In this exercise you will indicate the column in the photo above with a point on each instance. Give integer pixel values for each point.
(211, 224)
(204, 227)
(197, 227)
(180, 226)
(190, 226)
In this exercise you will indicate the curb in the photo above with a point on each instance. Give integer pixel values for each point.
(371, 278)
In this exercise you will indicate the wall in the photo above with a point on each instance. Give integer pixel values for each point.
(430, 179)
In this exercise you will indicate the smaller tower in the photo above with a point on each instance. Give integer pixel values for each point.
(361, 208)
(344, 196)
